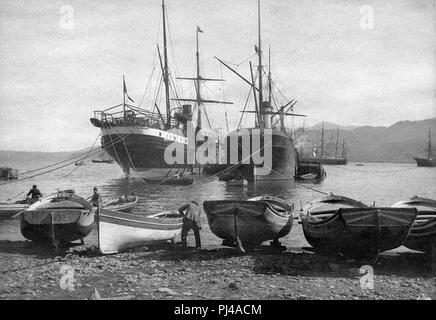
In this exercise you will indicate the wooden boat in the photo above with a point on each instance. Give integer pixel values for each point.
(103, 161)
(120, 231)
(341, 226)
(170, 180)
(122, 205)
(251, 222)
(9, 209)
(58, 219)
(423, 234)
(309, 170)
(7, 173)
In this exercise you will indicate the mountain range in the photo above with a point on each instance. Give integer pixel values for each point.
(399, 142)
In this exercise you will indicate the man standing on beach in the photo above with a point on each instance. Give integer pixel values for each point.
(191, 220)
(96, 198)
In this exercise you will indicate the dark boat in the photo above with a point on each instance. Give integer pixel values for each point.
(103, 161)
(320, 156)
(269, 130)
(249, 222)
(137, 139)
(429, 161)
(423, 234)
(170, 180)
(355, 230)
(58, 219)
(309, 171)
(123, 205)
(119, 231)
(8, 173)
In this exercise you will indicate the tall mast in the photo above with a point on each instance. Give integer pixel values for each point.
(166, 72)
(197, 84)
(429, 143)
(259, 53)
(322, 139)
(337, 143)
(269, 75)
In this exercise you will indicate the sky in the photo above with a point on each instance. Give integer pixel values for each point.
(61, 60)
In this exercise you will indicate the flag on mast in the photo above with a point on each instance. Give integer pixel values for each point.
(125, 90)
(199, 30)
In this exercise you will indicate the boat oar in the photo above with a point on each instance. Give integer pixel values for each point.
(18, 214)
(237, 239)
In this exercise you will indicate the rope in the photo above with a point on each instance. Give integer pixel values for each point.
(77, 167)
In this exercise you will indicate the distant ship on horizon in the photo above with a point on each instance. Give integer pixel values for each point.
(318, 153)
(429, 161)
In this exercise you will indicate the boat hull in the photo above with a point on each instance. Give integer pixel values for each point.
(423, 162)
(283, 156)
(141, 149)
(326, 161)
(359, 232)
(422, 237)
(123, 207)
(120, 231)
(252, 221)
(58, 219)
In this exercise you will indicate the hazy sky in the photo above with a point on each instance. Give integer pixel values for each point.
(52, 77)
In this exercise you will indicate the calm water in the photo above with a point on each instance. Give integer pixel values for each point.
(384, 183)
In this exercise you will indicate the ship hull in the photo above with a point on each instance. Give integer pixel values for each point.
(283, 157)
(141, 151)
(421, 162)
(326, 161)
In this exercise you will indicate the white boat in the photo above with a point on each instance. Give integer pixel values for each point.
(120, 231)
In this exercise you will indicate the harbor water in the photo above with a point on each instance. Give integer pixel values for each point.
(379, 183)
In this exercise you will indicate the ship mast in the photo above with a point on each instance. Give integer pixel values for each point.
(166, 71)
(337, 143)
(322, 139)
(259, 53)
(197, 85)
(429, 143)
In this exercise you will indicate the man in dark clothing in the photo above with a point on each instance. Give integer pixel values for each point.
(34, 193)
(191, 220)
(96, 198)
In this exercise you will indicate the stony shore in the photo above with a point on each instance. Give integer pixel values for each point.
(167, 272)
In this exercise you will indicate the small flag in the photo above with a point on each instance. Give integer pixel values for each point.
(125, 91)
(199, 30)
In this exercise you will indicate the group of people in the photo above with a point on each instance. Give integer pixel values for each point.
(190, 212)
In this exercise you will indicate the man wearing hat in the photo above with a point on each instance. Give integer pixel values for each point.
(191, 220)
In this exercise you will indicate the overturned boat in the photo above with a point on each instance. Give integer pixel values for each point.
(249, 223)
(340, 225)
(422, 237)
(120, 231)
(58, 219)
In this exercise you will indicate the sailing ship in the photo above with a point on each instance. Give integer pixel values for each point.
(429, 161)
(319, 153)
(284, 155)
(136, 139)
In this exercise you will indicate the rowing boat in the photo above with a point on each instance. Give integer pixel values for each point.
(249, 222)
(349, 227)
(58, 219)
(123, 205)
(120, 231)
(423, 234)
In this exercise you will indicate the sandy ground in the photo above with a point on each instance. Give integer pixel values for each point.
(167, 272)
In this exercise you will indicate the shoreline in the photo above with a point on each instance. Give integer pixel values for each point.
(165, 271)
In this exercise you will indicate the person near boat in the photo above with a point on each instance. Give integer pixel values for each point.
(34, 194)
(191, 220)
(96, 198)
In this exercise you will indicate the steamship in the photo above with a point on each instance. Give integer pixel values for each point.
(136, 139)
(269, 119)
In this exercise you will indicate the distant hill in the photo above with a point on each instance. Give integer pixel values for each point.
(397, 143)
